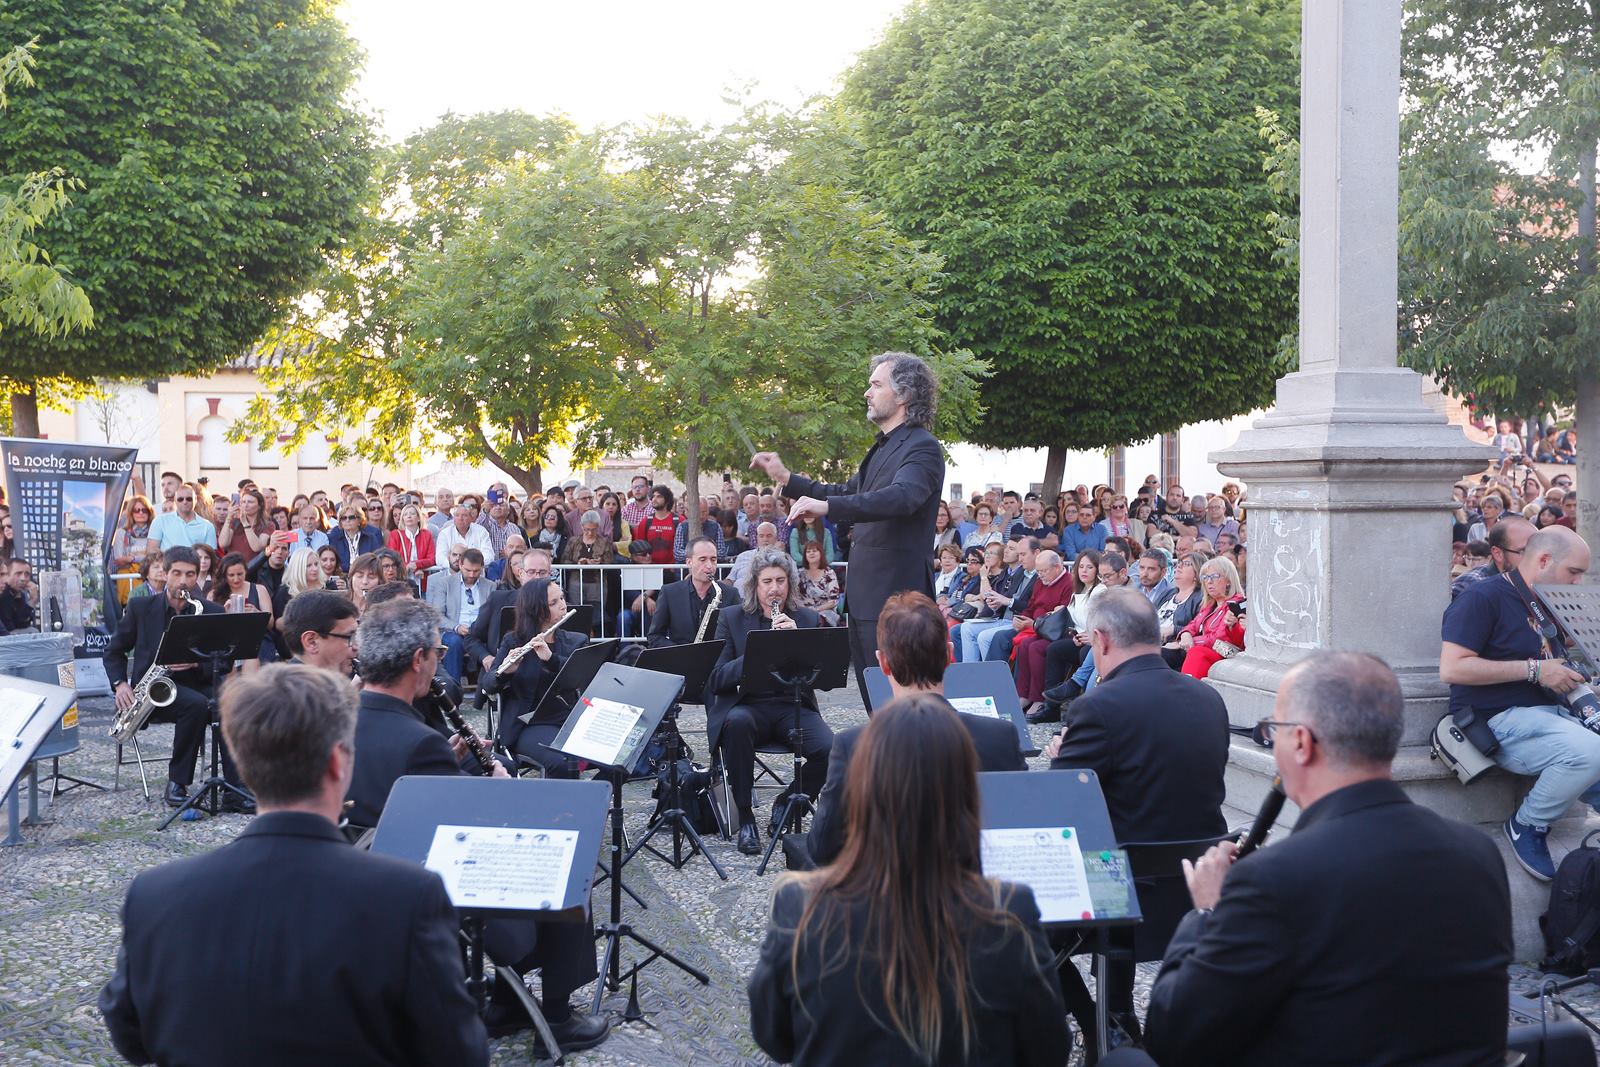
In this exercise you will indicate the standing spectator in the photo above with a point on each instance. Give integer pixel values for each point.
(208, 568)
(246, 532)
(303, 572)
(1219, 626)
(660, 527)
(354, 538)
(131, 543)
(590, 548)
(169, 490)
(183, 525)
(581, 500)
(709, 528)
(808, 531)
(551, 534)
(462, 531)
(1494, 505)
(612, 524)
(233, 581)
(496, 522)
(413, 541)
(443, 501)
(308, 528)
(749, 515)
(18, 607)
(1509, 444)
(333, 575)
(1216, 522)
(637, 509)
(733, 544)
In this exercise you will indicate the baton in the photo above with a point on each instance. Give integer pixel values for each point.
(738, 428)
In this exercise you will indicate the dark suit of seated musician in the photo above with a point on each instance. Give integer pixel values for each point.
(738, 724)
(913, 651)
(138, 636)
(400, 650)
(681, 606)
(901, 952)
(540, 605)
(287, 945)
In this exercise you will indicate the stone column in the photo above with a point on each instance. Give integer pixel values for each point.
(1349, 474)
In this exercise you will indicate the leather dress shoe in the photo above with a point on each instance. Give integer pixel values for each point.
(176, 794)
(234, 804)
(749, 839)
(1060, 694)
(504, 1019)
(1048, 713)
(576, 1032)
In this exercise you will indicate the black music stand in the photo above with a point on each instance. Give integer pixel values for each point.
(419, 805)
(617, 714)
(29, 710)
(694, 664)
(1071, 799)
(968, 686)
(788, 662)
(217, 641)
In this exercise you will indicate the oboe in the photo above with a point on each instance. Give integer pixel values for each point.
(452, 714)
(514, 657)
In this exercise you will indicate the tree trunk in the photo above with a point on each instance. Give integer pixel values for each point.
(24, 412)
(1055, 465)
(691, 487)
(530, 479)
(1587, 415)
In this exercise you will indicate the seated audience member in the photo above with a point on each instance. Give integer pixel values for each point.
(154, 573)
(766, 537)
(316, 909)
(413, 541)
(913, 651)
(1181, 608)
(1216, 522)
(1085, 535)
(947, 568)
(733, 542)
(707, 527)
(365, 576)
(1035, 673)
(819, 584)
(1031, 524)
(985, 530)
(968, 583)
(1001, 608)
(1506, 688)
(901, 951)
(1161, 772)
(1376, 933)
(400, 651)
(1219, 624)
(463, 531)
(459, 598)
(319, 626)
(815, 529)
(19, 609)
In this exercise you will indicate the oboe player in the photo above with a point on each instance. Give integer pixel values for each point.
(680, 616)
(523, 683)
(738, 723)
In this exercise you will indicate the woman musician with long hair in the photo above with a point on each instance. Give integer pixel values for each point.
(901, 951)
(522, 682)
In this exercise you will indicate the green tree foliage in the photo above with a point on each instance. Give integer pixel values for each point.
(1092, 173)
(1499, 298)
(220, 160)
(638, 288)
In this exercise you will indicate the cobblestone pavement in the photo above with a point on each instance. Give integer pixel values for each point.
(61, 890)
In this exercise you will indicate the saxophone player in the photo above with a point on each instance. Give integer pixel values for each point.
(681, 609)
(525, 665)
(138, 635)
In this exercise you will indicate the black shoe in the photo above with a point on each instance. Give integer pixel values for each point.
(234, 804)
(1125, 1030)
(1060, 694)
(749, 839)
(1049, 713)
(176, 794)
(576, 1032)
(504, 1019)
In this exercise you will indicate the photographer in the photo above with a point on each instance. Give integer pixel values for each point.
(1506, 684)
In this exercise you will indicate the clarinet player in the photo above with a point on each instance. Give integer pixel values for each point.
(525, 665)
(681, 610)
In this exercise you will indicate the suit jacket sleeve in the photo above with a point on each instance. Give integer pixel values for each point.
(919, 476)
(116, 1003)
(660, 634)
(1224, 974)
(443, 1020)
(769, 988)
(730, 667)
(432, 755)
(1088, 745)
(825, 839)
(119, 647)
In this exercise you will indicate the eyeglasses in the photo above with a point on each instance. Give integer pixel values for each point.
(184, 499)
(1209, 577)
(351, 636)
(1266, 729)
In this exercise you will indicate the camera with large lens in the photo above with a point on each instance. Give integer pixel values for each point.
(1582, 700)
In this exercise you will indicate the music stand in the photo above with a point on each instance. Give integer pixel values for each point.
(29, 711)
(1049, 803)
(788, 662)
(984, 689)
(617, 714)
(216, 640)
(494, 811)
(694, 664)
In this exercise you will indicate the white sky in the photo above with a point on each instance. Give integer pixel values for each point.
(604, 62)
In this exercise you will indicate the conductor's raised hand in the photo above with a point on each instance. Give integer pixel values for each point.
(807, 507)
(769, 462)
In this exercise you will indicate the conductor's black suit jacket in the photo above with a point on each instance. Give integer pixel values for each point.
(722, 691)
(1377, 933)
(132, 648)
(995, 740)
(891, 502)
(677, 614)
(289, 946)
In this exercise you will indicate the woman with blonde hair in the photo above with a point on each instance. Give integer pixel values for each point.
(302, 572)
(1217, 630)
(901, 951)
(130, 543)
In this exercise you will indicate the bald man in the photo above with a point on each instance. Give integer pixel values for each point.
(1507, 689)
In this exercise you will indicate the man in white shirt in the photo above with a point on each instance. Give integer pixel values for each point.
(462, 531)
(182, 526)
(459, 598)
(305, 534)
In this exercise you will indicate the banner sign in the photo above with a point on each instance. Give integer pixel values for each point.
(65, 501)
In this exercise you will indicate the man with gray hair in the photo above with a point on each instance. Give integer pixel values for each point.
(1158, 740)
(297, 900)
(1377, 933)
(891, 502)
(766, 537)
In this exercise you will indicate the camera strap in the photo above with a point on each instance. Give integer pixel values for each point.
(1550, 637)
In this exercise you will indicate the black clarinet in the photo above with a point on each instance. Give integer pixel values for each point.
(1271, 807)
(448, 708)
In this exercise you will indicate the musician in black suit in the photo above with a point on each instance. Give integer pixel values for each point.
(522, 684)
(737, 724)
(913, 651)
(682, 606)
(400, 650)
(891, 501)
(1158, 741)
(314, 952)
(1377, 933)
(138, 636)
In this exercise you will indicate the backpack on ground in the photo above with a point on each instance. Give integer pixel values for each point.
(1572, 924)
(696, 795)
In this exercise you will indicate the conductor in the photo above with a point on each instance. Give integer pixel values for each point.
(891, 501)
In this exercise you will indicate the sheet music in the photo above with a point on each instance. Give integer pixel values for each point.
(524, 868)
(1047, 860)
(17, 706)
(604, 730)
(981, 706)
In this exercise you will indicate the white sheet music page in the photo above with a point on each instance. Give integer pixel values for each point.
(602, 730)
(17, 706)
(523, 868)
(1047, 860)
(982, 706)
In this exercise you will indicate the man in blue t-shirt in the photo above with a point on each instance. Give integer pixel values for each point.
(1506, 677)
(1086, 533)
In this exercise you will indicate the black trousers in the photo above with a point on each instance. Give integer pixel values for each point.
(532, 743)
(1081, 1005)
(1061, 659)
(562, 952)
(863, 652)
(190, 714)
(749, 725)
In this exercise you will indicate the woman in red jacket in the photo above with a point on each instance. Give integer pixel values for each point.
(413, 541)
(1217, 630)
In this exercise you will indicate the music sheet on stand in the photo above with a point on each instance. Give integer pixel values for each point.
(604, 730)
(522, 868)
(17, 707)
(1048, 860)
(984, 707)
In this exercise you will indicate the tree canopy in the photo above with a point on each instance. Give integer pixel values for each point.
(1092, 173)
(220, 159)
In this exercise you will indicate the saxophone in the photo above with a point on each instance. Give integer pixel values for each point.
(711, 612)
(155, 690)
